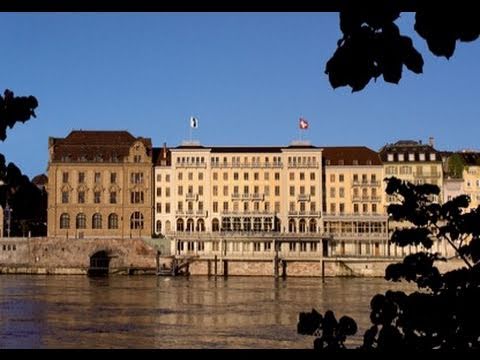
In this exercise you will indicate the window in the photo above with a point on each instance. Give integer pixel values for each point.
(113, 221)
(355, 178)
(200, 190)
(332, 178)
(225, 176)
(332, 192)
(215, 190)
(81, 177)
(97, 177)
(291, 176)
(312, 176)
(341, 178)
(136, 220)
(342, 208)
(389, 157)
(180, 206)
(65, 177)
(167, 208)
(302, 190)
(256, 176)
(190, 176)
(159, 208)
(137, 158)
(180, 176)
(266, 176)
(225, 190)
(235, 176)
(411, 157)
(215, 176)
(180, 190)
(64, 221)
(341, 192)
(64, 197)
(432, 157)
(312, 190)
(277, 206)
(167, 192)
(96, 197)
(332, 208)
(81, 197)
(355, 208)
(113, 197)
(277, 176)
(365, 208)
(292, 190)
(256, 246)
(167, 178)
(277, 190)
(313, 207)
(136, 197)
(200, 175)
(401, 157)
(113, 178)
(159, 191)
(266, 190)
(255, 189)
(81, 221)
(245, 189)
(291, 206)
(245, 176)
(421, 156)
(97, 221)
(225, 206)
(159, 177)
(374, 208)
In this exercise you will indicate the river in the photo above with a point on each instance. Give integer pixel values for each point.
(162, 312)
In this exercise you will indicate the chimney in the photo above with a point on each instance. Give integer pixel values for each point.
(431, 141)
(164, 151)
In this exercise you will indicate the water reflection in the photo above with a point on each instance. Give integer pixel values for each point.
(164, 312)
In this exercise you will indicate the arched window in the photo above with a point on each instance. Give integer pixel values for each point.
(200, 225)
(313, 225)
(247, 224)
(190, 225)
(236, 224)
(158, 226)
(136, 220)
(226, 224)
(292, 227)
(113, 221)
(267, 224)
(302, 225)
(180, 225)
(257, 224)
(215, 225)
(96, 221)
(64, 221)
(81, 221)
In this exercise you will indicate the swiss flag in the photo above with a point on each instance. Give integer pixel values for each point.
(303, 124)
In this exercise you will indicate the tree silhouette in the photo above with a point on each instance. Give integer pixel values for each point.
(444, 314)
(16, 189)
(372, 45)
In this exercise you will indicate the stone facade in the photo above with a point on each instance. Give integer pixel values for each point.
(100, 185)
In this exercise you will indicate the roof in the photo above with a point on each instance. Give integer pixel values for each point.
(469, 158)
(246, 149)
(406, 147)
(158, 156)
(41, 179)
(103, 146)
(350, 155)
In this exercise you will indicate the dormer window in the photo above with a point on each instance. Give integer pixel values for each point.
(327, 162)
(340, 162)
(432, 157)
(354, 162)
(422, 156)
(411, 157)
(369, 162)
(389, 157)
(401, 157)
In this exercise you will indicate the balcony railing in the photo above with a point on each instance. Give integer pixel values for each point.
(366, 183)
(311, 165)
(303, 197)
(435, 175)
(191, 165)
(190, 196)
(246, 165)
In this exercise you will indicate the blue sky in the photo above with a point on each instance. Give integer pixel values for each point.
(247, 77)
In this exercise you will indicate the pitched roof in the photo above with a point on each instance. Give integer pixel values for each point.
(406, 147)
(104, 146)
(350, 155)
(159, 154)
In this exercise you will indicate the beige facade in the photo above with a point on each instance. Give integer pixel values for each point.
(99, 185)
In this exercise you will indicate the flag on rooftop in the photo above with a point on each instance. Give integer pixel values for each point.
(303, 124)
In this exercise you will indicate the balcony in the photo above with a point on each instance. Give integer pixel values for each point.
(366, 183)
(310, 165)
(303, 197)
(256, 196)
(434, 175)
(240, 165)
(376, 198)
(179, 212)
(191, 165)
(191, 196)
(236, 196)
